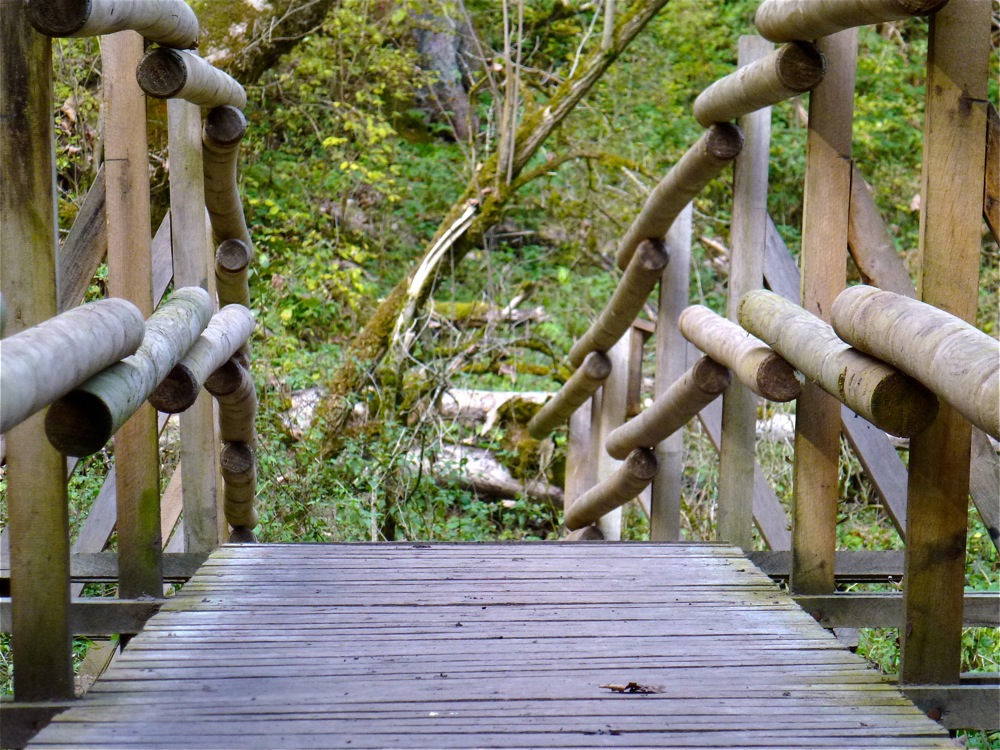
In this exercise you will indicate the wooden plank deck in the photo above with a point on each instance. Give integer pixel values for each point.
(490, 645)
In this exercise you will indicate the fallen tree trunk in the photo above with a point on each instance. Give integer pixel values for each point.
(370, 346)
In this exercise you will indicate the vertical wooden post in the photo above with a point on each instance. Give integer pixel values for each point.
(614, 393)
(130, 275)
(825, 221)
(746, 273)
(580, 470)
(38, 513)
(950, 235)
(671, 363)
(193, 266)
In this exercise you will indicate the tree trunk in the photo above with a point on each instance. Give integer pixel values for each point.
(398, 312)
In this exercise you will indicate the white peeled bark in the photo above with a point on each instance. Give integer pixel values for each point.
(954, 359)
(575, 392)
(228, 330)
(45, 362)
(685, 397)
(883, 395)
(177, 74)
(788, 20)
(786, 72)
(233, 387)
(168, 22)
(630, 295)
(632, 477)
(704, 161)
(83, 420)
(756, 365)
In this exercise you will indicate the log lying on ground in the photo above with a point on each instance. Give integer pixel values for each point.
(957, 361)
(632, 477)
(871, 246)
(756, 365)
(239, 493)
(582, 385)
(83, 420)
(168, 22)
(700, 165)
(685, 397)
(43, 363)
(232, 386)
(224, 129)
(786, 72)
(641, 275)
(232, 260)
(883, 395)
(228, 330)
(788, 20)
(165, 73)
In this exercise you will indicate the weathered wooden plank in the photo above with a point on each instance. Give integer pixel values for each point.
(734, 522)
(103, 566)
(950, 241)
(991, 187)
(388, 662)
(19, 722)
(958, 706)
(671, 363)
(850, 566)
(130, 276)
(984, 483)
(96, 617)
(826, 208)
(981, 610)
(37, 507)
(84, 247)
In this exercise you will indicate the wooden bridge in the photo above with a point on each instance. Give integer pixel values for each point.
(595, 643)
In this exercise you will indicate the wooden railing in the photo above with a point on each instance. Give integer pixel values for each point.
(859, 361)
(76, 376)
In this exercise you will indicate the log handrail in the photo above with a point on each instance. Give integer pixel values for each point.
(789, 20)
(168, 22)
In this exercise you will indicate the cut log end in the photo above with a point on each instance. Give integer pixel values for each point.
(237, 459)
(233, 256)
(78, 424)
(225, 126)
(776, 380)
(710, 376)
(59, 17)
(922, 7)
(242, 535)
(641, 465)
(651, 255)
(902, 407)
(226, 379)
(597, 366)
(724, 141)
(586, 534)
(801, 66)
(177, 393)
(161, 73)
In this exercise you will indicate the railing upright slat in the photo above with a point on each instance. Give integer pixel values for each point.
(746, 272)
(950, 246)
(826, 208)
(130, 276)
(37, 508)
(193, 267)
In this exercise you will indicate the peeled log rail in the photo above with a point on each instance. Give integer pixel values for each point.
(83, 420)
(232, 386)
(686, 396)
(582, 385)
(957, 361)
(700, 165)
(756, 365)
(232, 260)
(786, 72)
(226, 333)
(224, 129)
(239, 476)
(165, 73)
(789, 20)
(43, 363)
(632, 477)
(641, 275)
(168, 22)
(883, 395)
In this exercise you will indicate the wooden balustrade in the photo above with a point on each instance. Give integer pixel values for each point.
(168, 22)
(167, 73)
(789, 20)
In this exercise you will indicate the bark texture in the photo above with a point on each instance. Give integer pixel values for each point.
(175, 74)
(84, 420)
(956, 360)
(43, 363)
